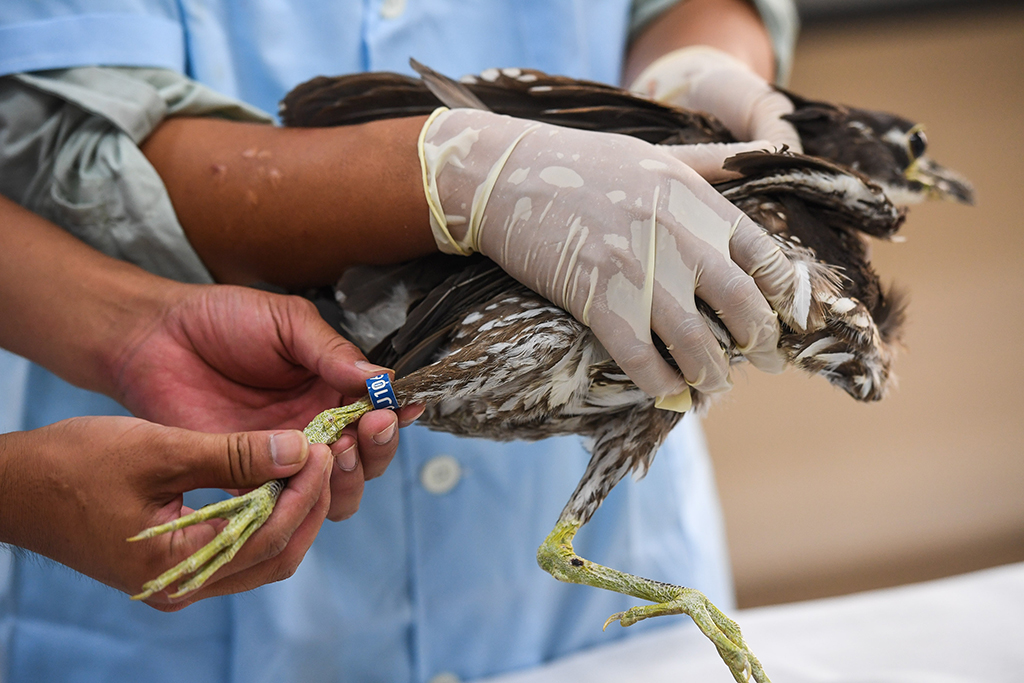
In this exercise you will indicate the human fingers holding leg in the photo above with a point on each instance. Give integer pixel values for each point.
(126, 474)
(225, 357)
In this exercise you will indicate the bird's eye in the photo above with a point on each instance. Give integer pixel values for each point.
(917, 143)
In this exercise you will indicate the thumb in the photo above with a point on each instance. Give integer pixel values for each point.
(708, 158)
(242, 459)
(316, 346)
(766, 121)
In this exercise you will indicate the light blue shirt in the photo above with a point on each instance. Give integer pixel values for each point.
(432, 575)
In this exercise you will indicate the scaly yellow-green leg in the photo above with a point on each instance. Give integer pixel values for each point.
(557, 557)
(245, 514)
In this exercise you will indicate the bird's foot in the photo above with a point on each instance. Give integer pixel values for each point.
(723, 631)
(245, 514)
(556, 555)
(326, 427)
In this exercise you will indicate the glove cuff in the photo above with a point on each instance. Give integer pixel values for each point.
(449, 154)
(428, 170)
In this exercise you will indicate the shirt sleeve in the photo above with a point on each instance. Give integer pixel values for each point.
(69, 151)
(37, 35)
(779, 16)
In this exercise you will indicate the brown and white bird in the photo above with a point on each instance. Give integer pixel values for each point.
(490, 358)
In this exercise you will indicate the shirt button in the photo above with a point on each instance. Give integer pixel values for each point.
(392, 9)
(445, 677)
(440, 474)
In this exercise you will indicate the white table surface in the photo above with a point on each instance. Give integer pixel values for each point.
(962, 629)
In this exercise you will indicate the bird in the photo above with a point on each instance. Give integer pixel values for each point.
(491, 358)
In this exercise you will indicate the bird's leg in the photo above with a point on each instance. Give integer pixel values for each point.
(245, 514)
(629, 442)
(557, 557)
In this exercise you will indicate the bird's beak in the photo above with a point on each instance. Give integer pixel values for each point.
(939, 182)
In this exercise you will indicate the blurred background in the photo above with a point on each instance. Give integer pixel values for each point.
(825, 496)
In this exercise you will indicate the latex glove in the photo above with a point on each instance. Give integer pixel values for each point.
(706, 79)
(75, 490)
(614, 230)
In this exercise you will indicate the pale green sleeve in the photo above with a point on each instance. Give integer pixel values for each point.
(779, 17)
(69, 152)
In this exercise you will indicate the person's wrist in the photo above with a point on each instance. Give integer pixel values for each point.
(9, 486)
(668, 78)
(143, 303)
(23, 498)
(432, 158)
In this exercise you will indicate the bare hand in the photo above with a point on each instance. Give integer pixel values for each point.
(75, 490)
(233, 358)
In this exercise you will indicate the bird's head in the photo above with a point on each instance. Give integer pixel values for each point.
(890, 150)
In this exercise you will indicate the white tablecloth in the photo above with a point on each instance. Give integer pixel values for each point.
(962, 629)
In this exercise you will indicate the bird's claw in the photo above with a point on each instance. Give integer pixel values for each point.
(723, 631)
(245, 514)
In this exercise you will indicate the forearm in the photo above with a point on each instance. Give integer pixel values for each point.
(732, 26)
(20, 490)
(294, 206)
(65, 305)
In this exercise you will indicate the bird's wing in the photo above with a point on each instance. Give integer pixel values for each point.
(356, 98)
(469, 282)
(524, 93)
(855, 201)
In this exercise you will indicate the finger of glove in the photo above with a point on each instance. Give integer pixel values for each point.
(748, 106)
(786, 287)
(692, 344)
(708, 158)
(637, 357)
(766, 122)
(693, 257)
(743, 309)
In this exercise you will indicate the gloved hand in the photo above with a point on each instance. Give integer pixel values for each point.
(709, 80)
(614, 230)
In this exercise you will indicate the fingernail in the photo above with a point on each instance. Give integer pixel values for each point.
(347, 459)
(370, 367)
(286, 447)
(409, 420)
(384, 436)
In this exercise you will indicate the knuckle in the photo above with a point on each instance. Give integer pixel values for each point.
(240, 457)
(303, 305)
(276, 546)
(285, 571)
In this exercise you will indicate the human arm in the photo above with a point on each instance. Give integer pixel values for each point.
(202, 357)
(732, 26)
(318, 237)
(717, 56)
(294, 206)
(75, 490)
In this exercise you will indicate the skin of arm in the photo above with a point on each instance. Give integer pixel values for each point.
(733, 26)
(294, 207)
(297, 207)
